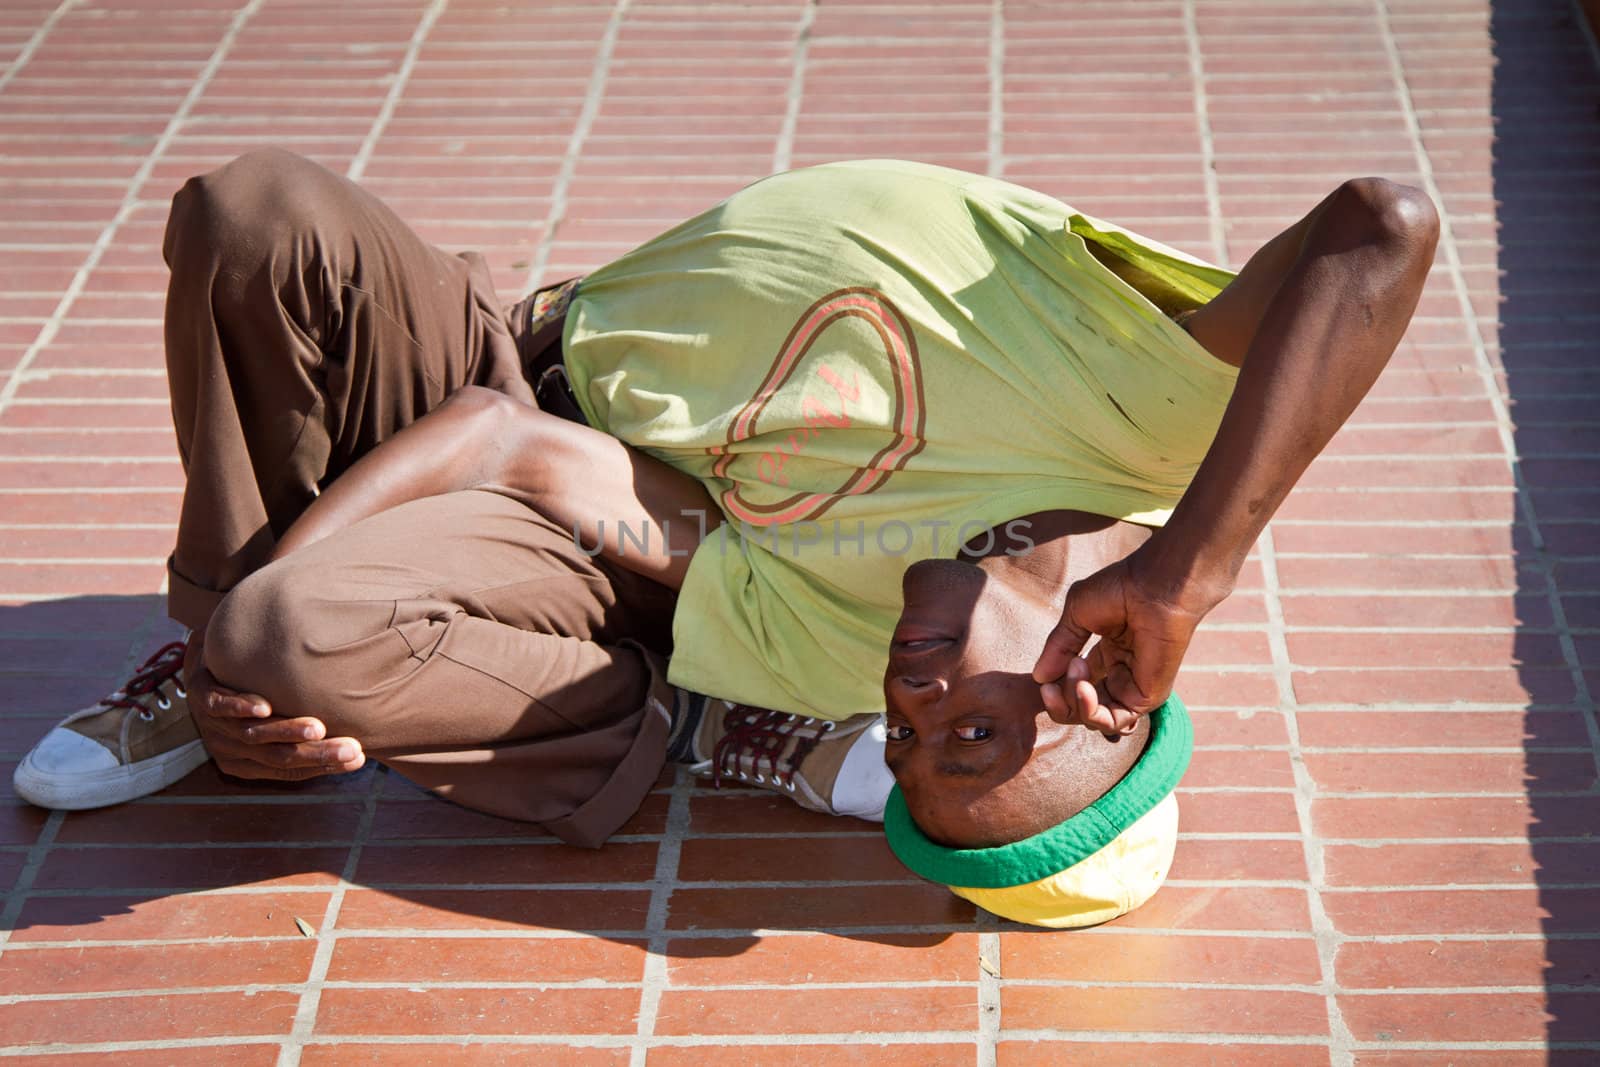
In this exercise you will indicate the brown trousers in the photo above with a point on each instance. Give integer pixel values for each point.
(464, 639)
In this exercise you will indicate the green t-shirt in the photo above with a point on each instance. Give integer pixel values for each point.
(868, 364)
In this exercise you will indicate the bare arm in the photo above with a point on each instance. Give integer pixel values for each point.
(585, 480)
(1312, 321)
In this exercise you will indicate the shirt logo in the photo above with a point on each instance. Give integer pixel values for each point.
(906, 424)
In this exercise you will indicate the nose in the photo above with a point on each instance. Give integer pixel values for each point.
(920, 690)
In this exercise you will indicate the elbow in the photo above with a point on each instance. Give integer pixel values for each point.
(477, 401)
(502, 442)
(482, 428)
(1382, 212)
(483, 413)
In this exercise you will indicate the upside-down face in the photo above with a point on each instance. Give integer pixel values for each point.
(978, 759)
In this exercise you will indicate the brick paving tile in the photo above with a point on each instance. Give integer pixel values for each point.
(1387, 856)
(797, 1052)
(1117, 1053)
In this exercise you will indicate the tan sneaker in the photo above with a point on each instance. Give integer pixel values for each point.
(134, 742)
(835, 767)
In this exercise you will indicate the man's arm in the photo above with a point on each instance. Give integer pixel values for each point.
(1311, 321)
(580, 478)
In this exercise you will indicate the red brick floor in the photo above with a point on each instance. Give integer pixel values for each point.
(1389, 853)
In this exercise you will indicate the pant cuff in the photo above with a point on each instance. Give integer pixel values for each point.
(189, 603)
(602, 814)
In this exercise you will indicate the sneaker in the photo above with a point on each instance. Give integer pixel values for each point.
(835, 767)
(134, 742)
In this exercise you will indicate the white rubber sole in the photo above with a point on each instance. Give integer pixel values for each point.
(114, 785)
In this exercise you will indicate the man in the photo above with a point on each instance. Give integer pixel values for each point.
(864, 437)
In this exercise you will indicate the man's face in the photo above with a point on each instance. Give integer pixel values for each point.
(965, 718)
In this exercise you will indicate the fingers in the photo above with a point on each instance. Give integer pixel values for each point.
(228, 705)
(208, 697)
(1056, 704)
(1075, 700)
(1098, 711)
(289, 762)
(1060, 649)
(1091, 608)
(1110, 719)
(284, 731)
(1122, 702)
(247, 741)
(280, 749)
(1061, 699)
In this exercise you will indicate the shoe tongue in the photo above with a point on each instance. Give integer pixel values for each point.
(164, 730)
(821, 768)
(709, 728)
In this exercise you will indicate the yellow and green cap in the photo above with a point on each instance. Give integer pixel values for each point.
(1101, 863)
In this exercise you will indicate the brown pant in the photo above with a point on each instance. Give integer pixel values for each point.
(465, 640)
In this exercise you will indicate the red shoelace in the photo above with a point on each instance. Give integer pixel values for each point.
(157, 670)
(763, 735)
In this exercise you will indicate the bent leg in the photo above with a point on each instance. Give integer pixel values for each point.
(305, 323)
(469, 644)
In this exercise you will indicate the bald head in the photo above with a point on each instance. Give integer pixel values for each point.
(1053, 773)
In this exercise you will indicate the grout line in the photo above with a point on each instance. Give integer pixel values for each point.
(761, 987)
(130, 201)
(655, 977)
(1454, 270)
(305, 1017)
(565, 887)
(35, 41)
(1582, 696)
(997, 88)
(1130, 985)
(784, 152)
(991, 1021)
(18, 896)
(1208, 152)
(391, 100)
(866, 1041)
(1324, 932)
(469, 934)
(580, 134)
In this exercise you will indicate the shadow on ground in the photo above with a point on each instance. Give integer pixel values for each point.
(1546, 109)
(133, 870)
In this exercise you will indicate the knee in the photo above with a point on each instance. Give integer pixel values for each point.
(238, 206)
(249, 641)
(277, 634)
(1388, 212)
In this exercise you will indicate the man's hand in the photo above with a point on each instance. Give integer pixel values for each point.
(1144, 629)
(248, 741)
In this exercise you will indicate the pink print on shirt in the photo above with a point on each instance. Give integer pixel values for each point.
(908, 419)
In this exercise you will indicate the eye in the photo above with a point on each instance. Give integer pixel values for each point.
(974, 733)
(899, 732)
